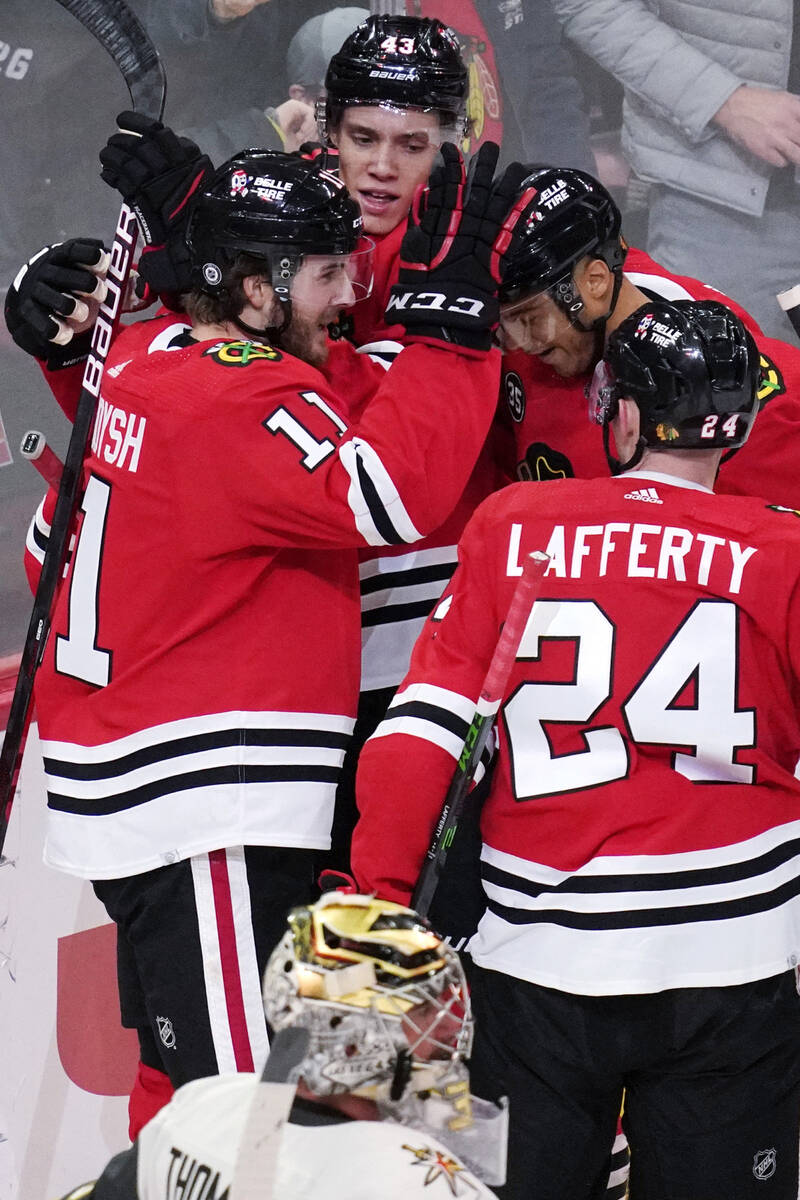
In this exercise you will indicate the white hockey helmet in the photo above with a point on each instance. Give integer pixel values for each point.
(383, 998)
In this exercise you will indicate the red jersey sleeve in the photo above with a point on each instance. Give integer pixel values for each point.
(286, 466)
(405, 767)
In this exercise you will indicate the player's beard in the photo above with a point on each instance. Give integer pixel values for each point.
(306, 339)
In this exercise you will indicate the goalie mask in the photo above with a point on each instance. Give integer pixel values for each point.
(384, 998)
(385, 1004)
(691, 367)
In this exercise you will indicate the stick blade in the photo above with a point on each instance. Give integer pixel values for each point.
(120, 32)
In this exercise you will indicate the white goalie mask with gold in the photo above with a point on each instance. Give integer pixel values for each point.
(383, 998)
(385, 1004)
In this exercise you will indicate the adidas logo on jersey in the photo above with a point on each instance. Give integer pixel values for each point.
(650, 495)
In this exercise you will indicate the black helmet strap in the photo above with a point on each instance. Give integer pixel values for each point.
(615, 466)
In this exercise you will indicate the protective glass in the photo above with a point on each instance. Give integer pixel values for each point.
(530, 325)
(338, 279)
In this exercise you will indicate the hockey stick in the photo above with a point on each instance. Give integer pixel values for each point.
(121, 33)
(790, 303)
(494, 686)
(34, 447)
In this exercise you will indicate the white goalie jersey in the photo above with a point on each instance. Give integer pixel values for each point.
(191, 1146)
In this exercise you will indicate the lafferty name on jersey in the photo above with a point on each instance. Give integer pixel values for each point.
(117, 436)
(641, 550)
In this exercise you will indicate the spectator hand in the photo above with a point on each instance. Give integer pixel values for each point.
(765, 122)
(156, 173)
(51, 305)
(297, 122)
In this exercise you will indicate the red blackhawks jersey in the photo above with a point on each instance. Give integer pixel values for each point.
(201, 675)
(553, 438)
(399, 587)
(642, 826)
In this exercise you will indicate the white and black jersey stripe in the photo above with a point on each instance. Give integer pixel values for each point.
(397, 594)
(437, 715)
(643, 923)
(380, 515)
(38, 534)
(192, 785)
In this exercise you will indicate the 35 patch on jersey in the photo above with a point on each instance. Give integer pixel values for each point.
(242, 354)
(515, 395)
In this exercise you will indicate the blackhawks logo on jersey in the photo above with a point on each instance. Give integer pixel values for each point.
(242, 354)
(770, 382)
(782, 508)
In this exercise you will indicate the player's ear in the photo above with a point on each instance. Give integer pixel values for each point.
(595, 281)
(626, 426)
(257, 290)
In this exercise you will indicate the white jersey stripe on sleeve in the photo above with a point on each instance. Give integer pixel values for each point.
(380, 515)
(38, 533)
(436, 715)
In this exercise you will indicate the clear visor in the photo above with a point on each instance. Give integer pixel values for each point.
(412, 125)
(335, 280)
(601, 393)
(529, 325)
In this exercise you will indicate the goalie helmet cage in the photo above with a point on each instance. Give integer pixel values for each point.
(122, 35)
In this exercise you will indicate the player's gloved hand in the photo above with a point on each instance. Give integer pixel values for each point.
(157, 173)
(51, 305)
(450, 267)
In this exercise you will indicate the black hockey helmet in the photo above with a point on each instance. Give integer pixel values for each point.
(568, 215)
(405, 62)
(274, 206)
(692, 369)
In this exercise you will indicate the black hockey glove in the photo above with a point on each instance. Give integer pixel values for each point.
(450, 258)
(157, 173)
(53, 285)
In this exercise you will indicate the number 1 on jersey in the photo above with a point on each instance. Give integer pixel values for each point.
(78, 654)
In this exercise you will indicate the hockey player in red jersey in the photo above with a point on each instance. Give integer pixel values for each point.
(642, 922)
(199, 687)
(395, 90)
(367, 1070)
(571, 281)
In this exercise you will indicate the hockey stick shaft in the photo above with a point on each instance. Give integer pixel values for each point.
(491, 697)
(121, 33)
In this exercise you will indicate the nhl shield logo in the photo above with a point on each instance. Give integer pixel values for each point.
(764, 1164)
(166, 1032)
(515, 395)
